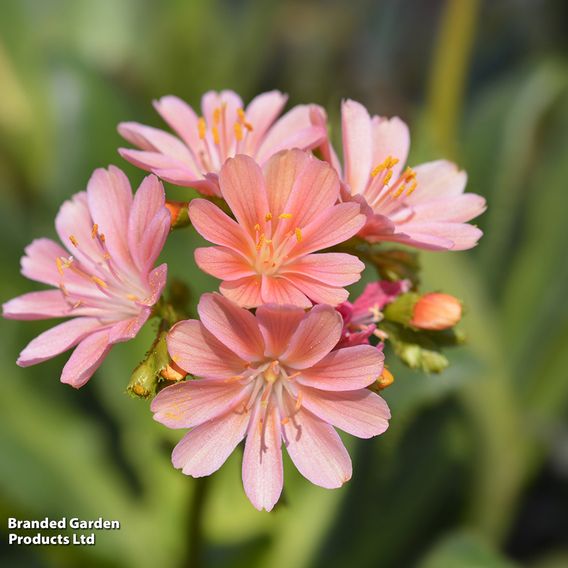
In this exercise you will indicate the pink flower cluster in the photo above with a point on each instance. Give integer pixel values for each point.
(279, 357)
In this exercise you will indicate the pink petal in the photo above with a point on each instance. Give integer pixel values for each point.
(439, 179)
(245, 292)
(333, 268)
(296, 129)
(282, 171)
(155, 140)
(441, 236)
(181, 118)
(315, 189)
(128, 329)
(57, 340)
(86, 359)
(198, 352)
(206, 448)
(453, 209)
(314, 338)
(361, 413)
(148, 224)
(233, 326)
(332, 226)
(110, 199)
(261, 112)
(157, 280)
(276, 290)
(223, 263)
(357, 145)
(317, 292)
(391, 138)
(39, 261)
(217, 227)
(227, 99)
(196, 401)
(37, 305)
(346, 369)
(317, 451)
(263, 474)
(242, 186)
(277, 325)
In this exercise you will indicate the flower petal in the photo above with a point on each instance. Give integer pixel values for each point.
(361, 413)
(223, 263)
(439, 236)
(261, 113)
(128, 329)
(263, 475)
(277, 290)
(39, 261)
(333, 268)
(57, 340)
(206, 448)
(242, 185)
(277, 325)
(391, 138)
(345, 369)
(196, 401)
(198, 352)
(317, 451)
(436, 180)
(37, 305)
(314, 338)
(217, 227)
(317, 292)
(181, 118)
(244, 292)
(86, 359)
(233, 326)
(457, 209)
(357, 145)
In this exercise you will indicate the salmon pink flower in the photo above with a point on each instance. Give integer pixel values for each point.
(424, 207)
(282, 217)
(273, 378)
(105, 280)
(360, 318)
(194, 157)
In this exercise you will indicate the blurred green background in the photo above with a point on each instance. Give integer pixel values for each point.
(473, 471)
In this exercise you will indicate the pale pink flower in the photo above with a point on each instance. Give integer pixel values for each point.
(194, 157)
(105, 277)
(275, 379)
(361, 317)
(282, 217)
(424, 207)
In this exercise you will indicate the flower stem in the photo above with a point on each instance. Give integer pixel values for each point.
(196, 542)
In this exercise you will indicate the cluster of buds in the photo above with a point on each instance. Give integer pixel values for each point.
(279, 355)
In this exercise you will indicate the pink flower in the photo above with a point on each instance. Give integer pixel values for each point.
(425, 207)
(106, 280)
(194, 157)
(360, 318)
(283, 216)
(273, 378)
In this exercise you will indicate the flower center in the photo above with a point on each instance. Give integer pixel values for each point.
(274, 239)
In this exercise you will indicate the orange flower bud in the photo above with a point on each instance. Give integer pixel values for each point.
(385, 380)
(436, 311)
(178, 212)
(173, 373)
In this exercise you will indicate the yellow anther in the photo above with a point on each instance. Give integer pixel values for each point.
(411, 189)
(102, 238)
(201, 128)
(98, 281)
(217, 116)
(132, 297)
(298, 234)
(94, 231)
(268, 216)
(409, 174)
(285, 216)
(238, 131)
(248, 126)
(298, 402)
(241, 114)
(260, 242)
(388, 163)
(77, 304)
(215, 133)
(256, 227)
(59, 265)
(399, 191)
(388, 177)
(73, 241)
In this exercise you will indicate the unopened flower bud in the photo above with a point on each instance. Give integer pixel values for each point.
(436, 311)
(385, 380)
(179, 214)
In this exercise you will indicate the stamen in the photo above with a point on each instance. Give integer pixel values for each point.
(201, 128)
(94, 231)
(132, 297)
(242, 119)
(59, 265)
(99, 282)
(215, 132)
(386, 165)
(298, 401)
(411, 189)
(285, 216)
(216, 116)
(298, 233)
(257, 227)
(73, 241)
(238, 131)
(268, 216)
